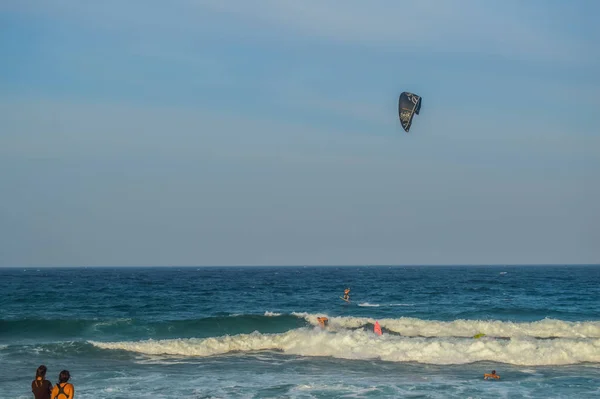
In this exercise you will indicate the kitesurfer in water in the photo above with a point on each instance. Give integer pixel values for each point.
(492, 375)
(347, 294)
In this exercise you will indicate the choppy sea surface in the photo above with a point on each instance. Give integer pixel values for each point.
(252, 332)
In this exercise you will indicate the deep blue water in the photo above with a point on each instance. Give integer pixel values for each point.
(248, 332)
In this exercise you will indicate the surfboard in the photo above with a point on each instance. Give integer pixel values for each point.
(347, 300)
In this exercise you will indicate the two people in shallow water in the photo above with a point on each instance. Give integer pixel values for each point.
(43, 389)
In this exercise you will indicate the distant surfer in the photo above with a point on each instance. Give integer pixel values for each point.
(323, 321)
(347, 294)
(491, 375)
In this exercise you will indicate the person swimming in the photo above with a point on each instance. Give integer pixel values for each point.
(492, 375)
(41, 387)
(347, 294)
(63, 389)
(323, 321)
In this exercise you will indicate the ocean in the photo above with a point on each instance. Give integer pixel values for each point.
(252, 332)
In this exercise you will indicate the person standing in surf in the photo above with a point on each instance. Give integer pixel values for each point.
(347, 294)
(41, 387)
(63, 389)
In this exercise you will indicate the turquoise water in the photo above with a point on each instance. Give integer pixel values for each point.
(253, 332)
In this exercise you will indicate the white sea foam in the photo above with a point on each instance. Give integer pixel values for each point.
(272, 314)
(367, 304)
(111, 323)
(361, 344)
(413, 327)
(528, 371)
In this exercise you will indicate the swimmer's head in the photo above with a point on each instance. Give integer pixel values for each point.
(64, 376)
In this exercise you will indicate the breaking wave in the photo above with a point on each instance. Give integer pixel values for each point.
(363, 344)
(413, 327)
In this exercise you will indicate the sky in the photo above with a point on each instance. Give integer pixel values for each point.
(266, 132)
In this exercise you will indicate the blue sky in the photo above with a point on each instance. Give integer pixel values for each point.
(266, 133)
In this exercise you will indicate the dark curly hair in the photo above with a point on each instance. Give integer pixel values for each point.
(64, 376)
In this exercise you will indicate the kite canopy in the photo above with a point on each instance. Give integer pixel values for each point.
(409, 104)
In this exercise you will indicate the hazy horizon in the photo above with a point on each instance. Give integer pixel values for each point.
(294, 266)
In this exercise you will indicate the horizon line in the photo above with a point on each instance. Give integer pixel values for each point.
(300, 265)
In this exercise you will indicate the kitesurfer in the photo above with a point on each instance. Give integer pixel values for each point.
(492, 375)
(347, 294)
